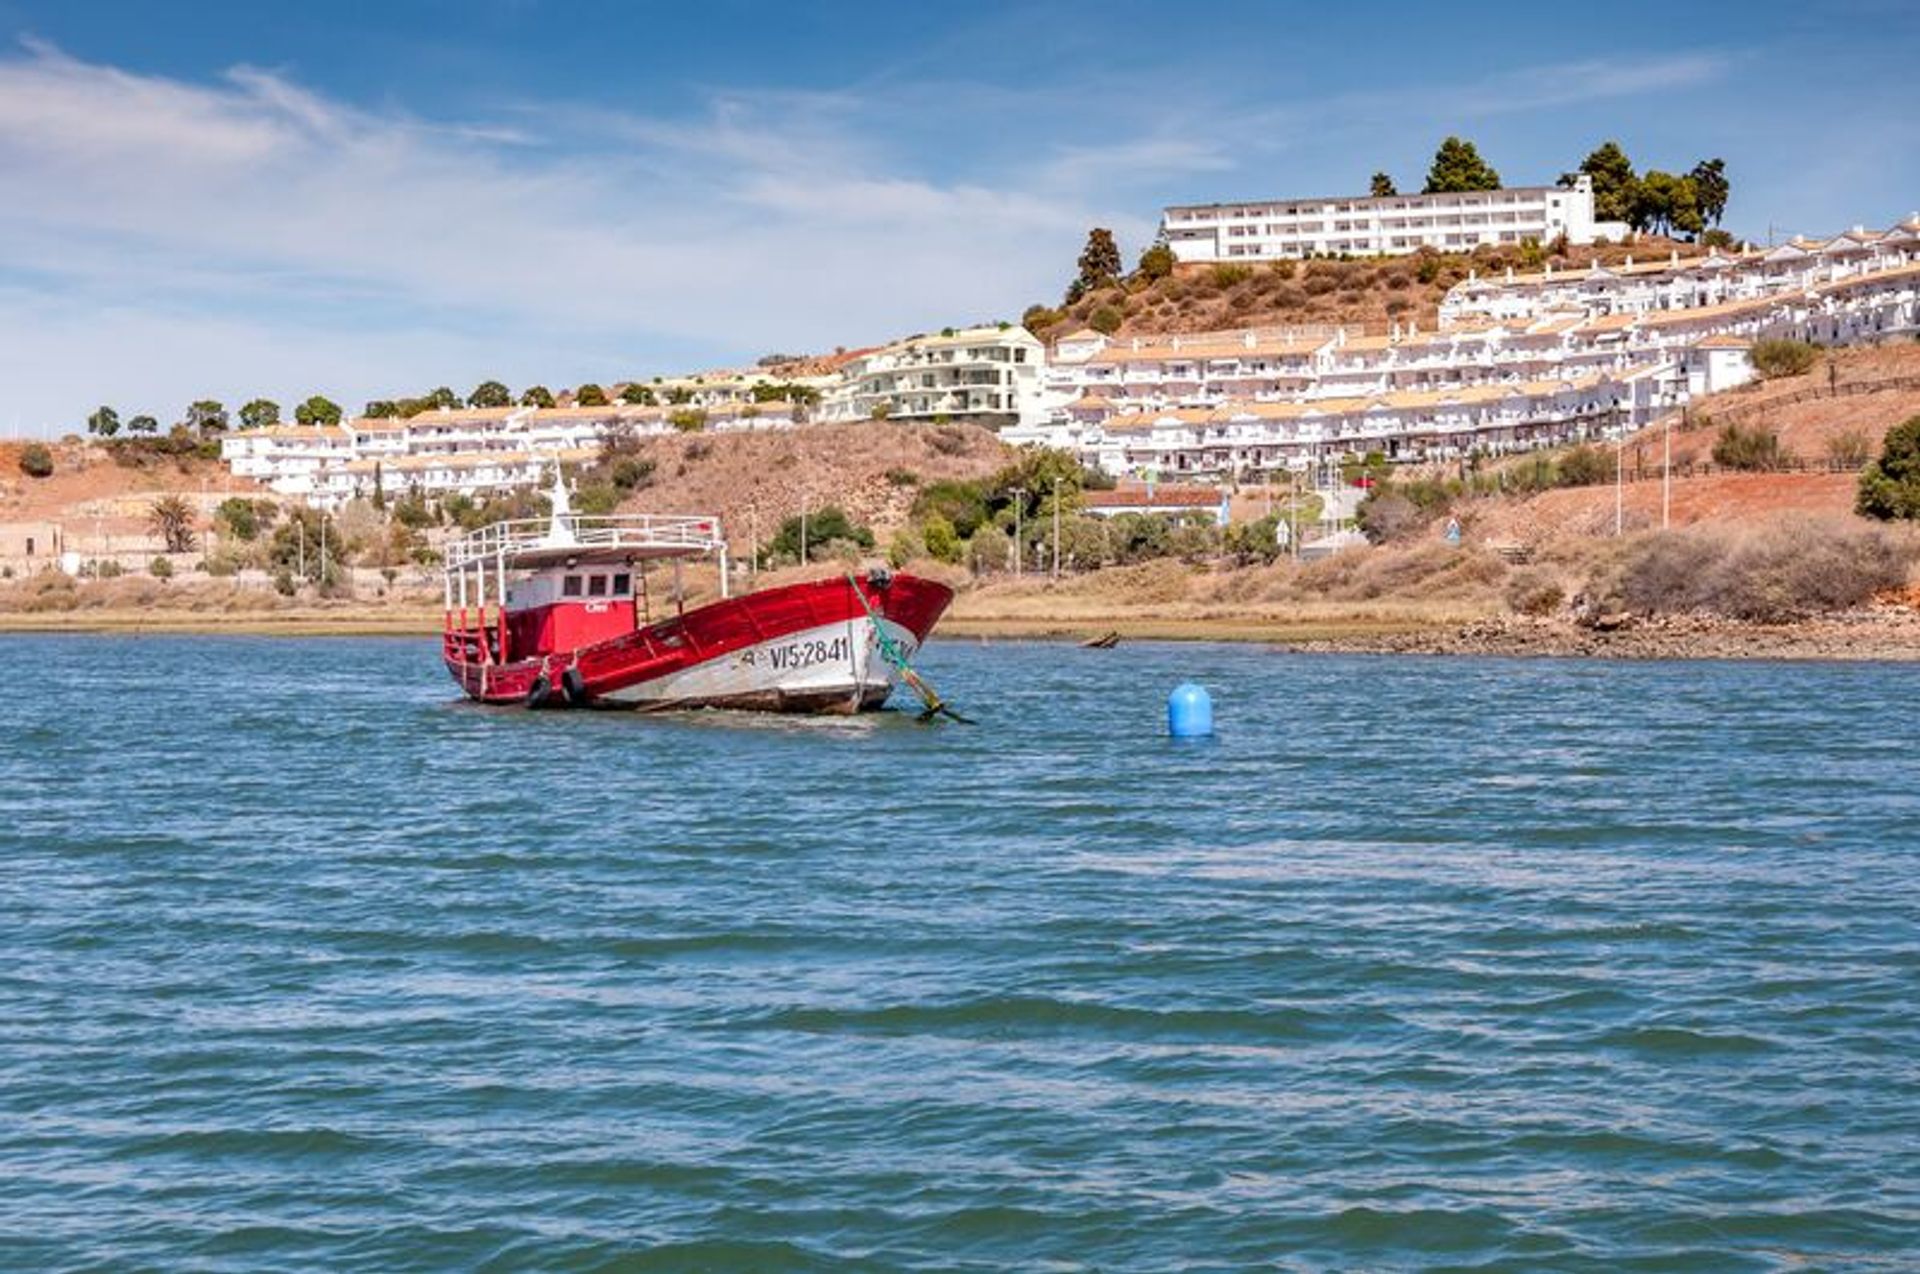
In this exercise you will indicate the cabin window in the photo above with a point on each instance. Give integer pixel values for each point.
(622, 585)
(570, 586)
(596, 586)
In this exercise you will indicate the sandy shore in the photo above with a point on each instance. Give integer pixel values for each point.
(1877, 633)
(328, 622)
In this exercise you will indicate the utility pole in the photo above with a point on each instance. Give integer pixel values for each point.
(1666, 475)
(1619, 483)
(1056, 530)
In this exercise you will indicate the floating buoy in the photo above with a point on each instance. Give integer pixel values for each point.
(1189, 712)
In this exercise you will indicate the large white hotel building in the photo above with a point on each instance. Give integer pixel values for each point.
(1273, 230)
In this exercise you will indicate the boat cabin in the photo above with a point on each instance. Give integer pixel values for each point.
(527, 589)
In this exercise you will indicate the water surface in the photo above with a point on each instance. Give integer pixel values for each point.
(1422, 964)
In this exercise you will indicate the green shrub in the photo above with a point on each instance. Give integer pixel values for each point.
(1106, 320)
(160, 568)
(1754, 449)
(990, 551)
(1778, 358)
(36, 461)
(239, 516)
(905, 547)
(902, 478)
(1583, 466)
(1227, 275)
(823, 526)
(962, 504)
(942, 541)
(688, 420)
(1156, 262)
(1890, 486)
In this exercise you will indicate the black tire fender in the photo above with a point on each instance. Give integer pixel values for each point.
(539, 692)
(576, 687)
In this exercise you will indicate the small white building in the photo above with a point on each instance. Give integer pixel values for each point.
(1717, 363)
(1282, 229)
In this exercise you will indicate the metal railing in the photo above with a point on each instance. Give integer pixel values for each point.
(656, 534)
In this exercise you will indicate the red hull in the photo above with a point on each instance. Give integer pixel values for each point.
(692, 660)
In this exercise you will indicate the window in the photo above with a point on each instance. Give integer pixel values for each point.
(570, 586)
(29, 546)
(622, 584)
(596, 586)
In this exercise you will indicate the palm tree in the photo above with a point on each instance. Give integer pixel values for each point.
(171, 518)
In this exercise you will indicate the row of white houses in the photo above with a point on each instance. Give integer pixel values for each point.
(990, 376)
(1609, 351)
(462, 451)
(1674, 283)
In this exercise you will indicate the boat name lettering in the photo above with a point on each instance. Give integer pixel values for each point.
(793, 655)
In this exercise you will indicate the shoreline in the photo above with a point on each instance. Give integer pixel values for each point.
(1878, 634)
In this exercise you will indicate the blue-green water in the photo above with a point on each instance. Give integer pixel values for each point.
(1435, 964)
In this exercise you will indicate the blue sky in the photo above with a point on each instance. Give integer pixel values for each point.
(228, 198)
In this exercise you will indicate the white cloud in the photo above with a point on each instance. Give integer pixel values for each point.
(311, 240)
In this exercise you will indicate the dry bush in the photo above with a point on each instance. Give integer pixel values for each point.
(1783, 570)
(47, 591)
(1534, 591)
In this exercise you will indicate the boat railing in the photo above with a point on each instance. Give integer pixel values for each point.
(654, 535)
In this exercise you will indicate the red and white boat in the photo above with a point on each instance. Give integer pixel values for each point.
(562, 613)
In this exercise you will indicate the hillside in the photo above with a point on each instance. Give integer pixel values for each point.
(88, 482)
(872, 470)
(1372, 293)
(1807, 430)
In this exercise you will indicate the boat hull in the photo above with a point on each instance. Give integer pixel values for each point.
(808, 648)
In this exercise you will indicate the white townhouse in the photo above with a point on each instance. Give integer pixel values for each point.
(1683, 283)
(990, 376)
(1391, 225)
(1247, 439)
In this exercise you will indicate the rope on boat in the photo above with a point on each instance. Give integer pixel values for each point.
(936, 706)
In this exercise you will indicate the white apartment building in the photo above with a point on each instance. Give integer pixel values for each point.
(990, 376)
(1283, 229)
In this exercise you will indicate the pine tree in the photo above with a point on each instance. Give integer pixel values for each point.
(1711, 188)
(1099, 260)
(1457, 166)
(1382, 187)
(1614, 185)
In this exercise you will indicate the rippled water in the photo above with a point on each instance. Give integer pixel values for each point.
(1462, 964)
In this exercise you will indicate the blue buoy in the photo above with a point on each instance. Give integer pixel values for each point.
(1189, 712)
